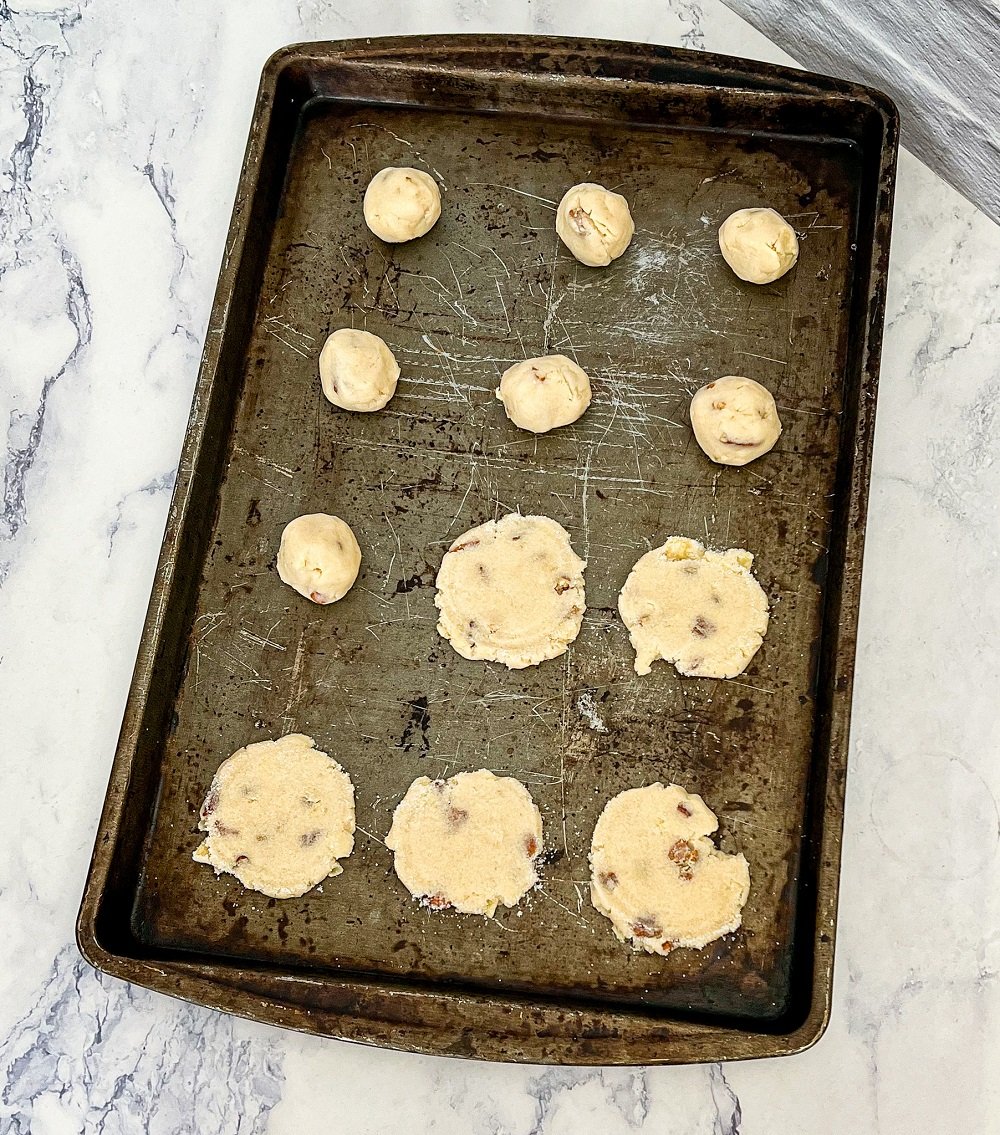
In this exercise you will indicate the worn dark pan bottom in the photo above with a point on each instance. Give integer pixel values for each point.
(230, 655)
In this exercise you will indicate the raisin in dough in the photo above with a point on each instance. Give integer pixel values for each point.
(319, 557)
(511, 591)
(758, 244)
(401, 203)
(658, 877)
(594, 224)
(357, 370)
(279, 815)
(469, 843)
(701, 610)
(735, 420)
(542, 394)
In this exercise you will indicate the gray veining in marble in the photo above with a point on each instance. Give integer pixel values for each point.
(92, 1055)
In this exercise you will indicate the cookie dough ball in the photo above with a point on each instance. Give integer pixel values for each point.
(594, 224)
(279, 815)
(511, 591)
(469, 843)
(703, 611)
(735, 420)
(357, 370)
(401, 203)
(542, 394)
(658, 877)
(758, 244)
(319, 557)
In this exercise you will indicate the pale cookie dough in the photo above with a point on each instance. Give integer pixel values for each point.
(279, 815)
(468, 843)
(758, 244)
(735, 420)
(357, 370)
(542, 394)
(703, 611)
(319, 557)
(401, 203)
(658, 877)
(594, 224)
(511, 591)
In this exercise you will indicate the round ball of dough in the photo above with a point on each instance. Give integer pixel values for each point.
(357, 370)
(758, 244)
(319, 557)
(543, 394)
(594, 224)
(401, 203)
(735, 420)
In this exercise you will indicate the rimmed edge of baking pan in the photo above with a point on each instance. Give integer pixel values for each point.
(440, 1020)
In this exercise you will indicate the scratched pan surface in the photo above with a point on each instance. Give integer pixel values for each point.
(231, 656)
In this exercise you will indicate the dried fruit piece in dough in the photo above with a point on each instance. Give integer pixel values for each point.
(658, 877)
(279, 815)
(468, 843)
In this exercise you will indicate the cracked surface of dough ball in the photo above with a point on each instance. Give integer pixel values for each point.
(658, 877)
(319, 557)
(758, 244)
(594, 224)
(511, 591)
(735, 420)
(468, 843)
(357, 370)
(544, 393)
(401, 203)
(279, 815)
(701, 610)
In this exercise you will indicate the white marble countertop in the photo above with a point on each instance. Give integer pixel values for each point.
(122, 128)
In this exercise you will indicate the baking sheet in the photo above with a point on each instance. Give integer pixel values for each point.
(370, 679)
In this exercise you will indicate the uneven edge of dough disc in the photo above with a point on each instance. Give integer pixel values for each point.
(288, 748)
(462, 815)
(454, 613)
(683, 824)
(647, 639)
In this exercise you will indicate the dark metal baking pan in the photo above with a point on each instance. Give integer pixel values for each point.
(229, 655)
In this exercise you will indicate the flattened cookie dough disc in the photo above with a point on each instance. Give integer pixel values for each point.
(735, 420)
(701, 610)
(401, 203)
(658, 877)
(758, 244)
(511, 591)
(319, 557)
(279, 815)
(542, 394)
(594, 224)
(470, 842)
